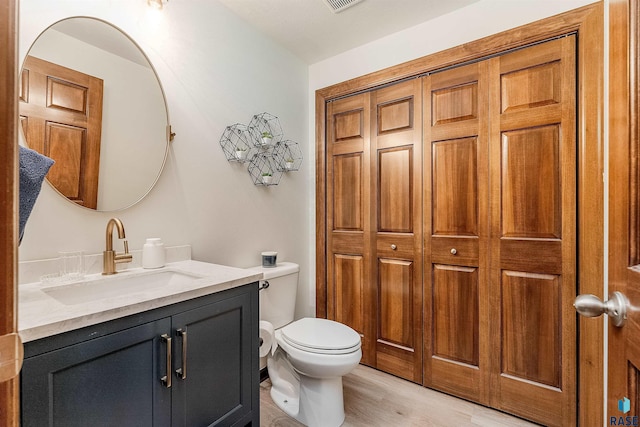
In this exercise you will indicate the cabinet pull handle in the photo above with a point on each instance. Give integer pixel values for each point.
(182, 372)
(394, 247)
(453, 251)
(166, 380)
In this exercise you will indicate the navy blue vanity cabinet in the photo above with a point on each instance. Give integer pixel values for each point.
(115, 373)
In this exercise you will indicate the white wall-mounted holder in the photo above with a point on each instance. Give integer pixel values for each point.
(288, 155)
(266, 130)
(261, 144)
(237, 143)
(263, 170)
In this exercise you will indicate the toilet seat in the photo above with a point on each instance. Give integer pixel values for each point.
(321, 336)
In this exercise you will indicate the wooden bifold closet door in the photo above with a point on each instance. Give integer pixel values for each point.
(451, 229)
(374, 262)
(500, 232)
(456, 224)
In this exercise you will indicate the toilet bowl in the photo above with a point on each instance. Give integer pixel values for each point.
(310, 355)
(307, 368)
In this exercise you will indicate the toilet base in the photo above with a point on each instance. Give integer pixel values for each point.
(315, 402)
(320, 403)
(290, 405)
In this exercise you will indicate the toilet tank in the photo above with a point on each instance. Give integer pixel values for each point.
(278, 301)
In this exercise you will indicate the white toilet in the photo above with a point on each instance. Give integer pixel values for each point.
(312, 354)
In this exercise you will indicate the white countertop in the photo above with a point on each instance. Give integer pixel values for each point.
(40, 315)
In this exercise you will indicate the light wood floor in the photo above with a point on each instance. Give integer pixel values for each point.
(373, 398)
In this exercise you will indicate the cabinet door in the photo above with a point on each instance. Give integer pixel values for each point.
(213, 383)
(108, 381)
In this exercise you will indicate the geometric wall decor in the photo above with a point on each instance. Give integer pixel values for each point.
(262, 146)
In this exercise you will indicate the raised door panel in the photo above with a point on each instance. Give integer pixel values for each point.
(395, 190)
(67, 145)
(454, 103)
(456, 229)
(348, 125)
(348, 211)
(455, 187)
(349, 270)
(530, 327)
(396, 162)
(531, 87)
(395, 116)
(67, 96)
(396, 328)
(533, 231)
(531, 183)
(108, 381)
(455, 320)
(455, 329)
(395, 280)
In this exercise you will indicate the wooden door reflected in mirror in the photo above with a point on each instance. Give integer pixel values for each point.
(91, 100)
(61, 117)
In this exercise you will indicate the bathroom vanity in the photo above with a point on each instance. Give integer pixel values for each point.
(182, 353)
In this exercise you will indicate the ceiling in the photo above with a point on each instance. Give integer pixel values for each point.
(310, 30)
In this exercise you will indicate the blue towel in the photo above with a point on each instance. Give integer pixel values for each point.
(33, 168)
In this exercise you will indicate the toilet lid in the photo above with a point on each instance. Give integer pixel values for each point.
(321, 336)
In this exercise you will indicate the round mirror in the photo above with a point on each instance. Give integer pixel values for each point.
(91, 100)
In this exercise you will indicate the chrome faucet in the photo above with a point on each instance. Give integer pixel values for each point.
(109, 257)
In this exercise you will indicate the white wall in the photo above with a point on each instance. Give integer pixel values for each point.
(215, 71)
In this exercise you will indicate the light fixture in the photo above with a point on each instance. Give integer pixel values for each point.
(156, 4)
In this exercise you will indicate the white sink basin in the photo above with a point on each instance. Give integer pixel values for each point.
(118, 286)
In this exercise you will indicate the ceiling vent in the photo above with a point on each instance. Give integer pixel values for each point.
(340, 5)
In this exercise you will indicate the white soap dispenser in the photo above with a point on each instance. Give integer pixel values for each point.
(153, 255)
